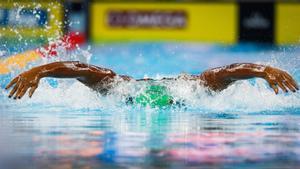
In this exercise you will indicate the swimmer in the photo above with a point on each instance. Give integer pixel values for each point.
(100, 79)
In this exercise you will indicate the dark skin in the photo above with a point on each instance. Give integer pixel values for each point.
(215, 79)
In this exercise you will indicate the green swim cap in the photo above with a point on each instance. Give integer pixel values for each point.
(155, 96)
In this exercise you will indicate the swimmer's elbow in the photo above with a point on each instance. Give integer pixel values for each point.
(214, 80)
(91, 74)
(86, 70)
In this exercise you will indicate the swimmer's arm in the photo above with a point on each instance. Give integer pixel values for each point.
(29, 80)
(221, 77)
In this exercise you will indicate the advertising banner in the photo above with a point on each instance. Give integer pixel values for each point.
(206, 22)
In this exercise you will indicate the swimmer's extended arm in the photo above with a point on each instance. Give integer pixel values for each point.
(221, 77)
(29, 80)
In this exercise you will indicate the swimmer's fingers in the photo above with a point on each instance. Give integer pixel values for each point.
(280, 79)
(11, 83)
(19, 90)
(292, 82)
(283, 88)
(288, 83)
(13, 91)
(274, 87)
(32, 89)
(23, 91)
(283, 84)
(278, 83)
(290, 86)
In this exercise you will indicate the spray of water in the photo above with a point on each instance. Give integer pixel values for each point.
(245, 96)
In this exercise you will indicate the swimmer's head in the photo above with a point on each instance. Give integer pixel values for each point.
(155, 96)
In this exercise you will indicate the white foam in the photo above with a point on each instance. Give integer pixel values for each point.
(242, 96)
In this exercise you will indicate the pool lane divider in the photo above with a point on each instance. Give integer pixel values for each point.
(18, 61)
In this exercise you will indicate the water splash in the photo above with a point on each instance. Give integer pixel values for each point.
(243, 96)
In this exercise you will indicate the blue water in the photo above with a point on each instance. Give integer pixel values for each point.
(66, 125)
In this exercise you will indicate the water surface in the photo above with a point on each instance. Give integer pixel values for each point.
(67, 125)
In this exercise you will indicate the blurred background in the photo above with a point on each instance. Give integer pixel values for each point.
(96, 21)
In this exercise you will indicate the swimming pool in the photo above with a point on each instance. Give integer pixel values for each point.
(66, 125)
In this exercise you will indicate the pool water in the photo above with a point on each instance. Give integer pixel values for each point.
(66, 125)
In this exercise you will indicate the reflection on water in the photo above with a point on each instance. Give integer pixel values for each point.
(156, 139)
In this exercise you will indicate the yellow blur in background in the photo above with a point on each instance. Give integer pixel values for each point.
(208, 22)
(205, 22)
(287, 23)
(54, 26)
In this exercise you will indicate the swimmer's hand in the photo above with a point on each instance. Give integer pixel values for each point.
(28, 80)
(276, 77)
(89, 75)
(221, 77)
